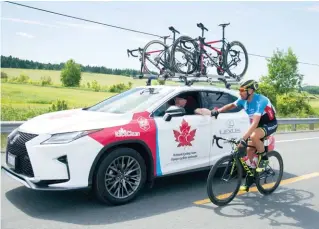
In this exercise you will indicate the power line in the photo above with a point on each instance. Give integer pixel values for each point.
(118, 27)
(83, 19)
(268, 57)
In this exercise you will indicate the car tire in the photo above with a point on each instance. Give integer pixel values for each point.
(117, 182)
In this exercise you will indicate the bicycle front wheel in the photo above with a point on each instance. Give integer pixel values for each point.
(236, 60)
(228, 170)
(183, 55)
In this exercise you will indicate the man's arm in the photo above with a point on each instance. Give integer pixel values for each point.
(227, 107)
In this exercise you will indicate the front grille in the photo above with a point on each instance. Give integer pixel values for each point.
(18, 148)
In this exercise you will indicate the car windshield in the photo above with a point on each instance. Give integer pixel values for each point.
(133, 100)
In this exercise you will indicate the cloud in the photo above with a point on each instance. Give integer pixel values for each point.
(25, 35)
(19, 20)
(81, 25)
(314, 8)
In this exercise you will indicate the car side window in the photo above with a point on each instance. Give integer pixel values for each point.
(210, 100)
(159, 112)
(190, 106)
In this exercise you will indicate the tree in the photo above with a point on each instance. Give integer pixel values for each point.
(71, 74)
(283, 72)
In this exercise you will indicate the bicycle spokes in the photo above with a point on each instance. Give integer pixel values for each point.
(224, 181)
(236, 60)
(156, 58)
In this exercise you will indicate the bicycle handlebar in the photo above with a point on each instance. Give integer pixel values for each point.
(133, 50)
(226, 139)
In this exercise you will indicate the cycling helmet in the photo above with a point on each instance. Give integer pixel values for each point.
(249, 84)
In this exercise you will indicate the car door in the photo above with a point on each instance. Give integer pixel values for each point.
(229, 124)
(182, 141)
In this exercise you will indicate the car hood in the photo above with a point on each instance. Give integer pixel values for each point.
(72, 120)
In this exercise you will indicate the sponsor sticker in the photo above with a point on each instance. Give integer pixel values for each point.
(126, 133)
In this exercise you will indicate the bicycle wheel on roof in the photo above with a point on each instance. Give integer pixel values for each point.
(156, 57)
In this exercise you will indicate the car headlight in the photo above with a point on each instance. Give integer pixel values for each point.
(63, 138)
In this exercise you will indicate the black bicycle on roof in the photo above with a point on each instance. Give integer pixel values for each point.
(197, 58)
(156, 56)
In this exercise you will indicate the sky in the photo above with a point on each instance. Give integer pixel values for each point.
(262, 27)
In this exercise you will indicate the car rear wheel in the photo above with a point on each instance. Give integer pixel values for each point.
(120, 176)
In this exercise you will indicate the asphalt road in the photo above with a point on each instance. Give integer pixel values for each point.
(172, 201)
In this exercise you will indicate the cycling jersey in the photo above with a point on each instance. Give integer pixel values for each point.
(259, 105)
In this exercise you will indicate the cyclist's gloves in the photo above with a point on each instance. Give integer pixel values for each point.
(214, 113)
(243, 142)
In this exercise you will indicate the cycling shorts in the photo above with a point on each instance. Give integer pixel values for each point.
(269, 128)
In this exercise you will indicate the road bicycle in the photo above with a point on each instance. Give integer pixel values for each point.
(160, 51)
(235, 164)
(199, 58)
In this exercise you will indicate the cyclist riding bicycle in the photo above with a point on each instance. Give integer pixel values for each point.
(263, 123)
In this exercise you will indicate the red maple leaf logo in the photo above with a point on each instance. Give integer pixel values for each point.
(184, 137)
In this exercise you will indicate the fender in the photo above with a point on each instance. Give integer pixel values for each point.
(150, 170)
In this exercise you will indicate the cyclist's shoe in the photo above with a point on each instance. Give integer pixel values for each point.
(249, 181)
(244, 188)
(262, 164)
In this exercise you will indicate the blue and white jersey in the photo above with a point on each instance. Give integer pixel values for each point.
(259, 105)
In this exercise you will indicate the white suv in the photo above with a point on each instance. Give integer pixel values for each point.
(123, 142)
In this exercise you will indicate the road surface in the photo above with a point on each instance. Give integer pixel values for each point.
(179, 201)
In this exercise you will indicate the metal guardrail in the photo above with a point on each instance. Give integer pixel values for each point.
(8, 126)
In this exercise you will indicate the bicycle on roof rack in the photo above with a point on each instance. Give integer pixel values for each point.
(198, 59)
(156, 56)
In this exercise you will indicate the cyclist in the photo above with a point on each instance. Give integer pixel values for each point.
(263, 122)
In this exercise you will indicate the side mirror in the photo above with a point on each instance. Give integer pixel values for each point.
(173, 111)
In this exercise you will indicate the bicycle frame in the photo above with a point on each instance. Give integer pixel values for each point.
(235, 156)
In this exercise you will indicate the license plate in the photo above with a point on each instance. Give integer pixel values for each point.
(11, 160)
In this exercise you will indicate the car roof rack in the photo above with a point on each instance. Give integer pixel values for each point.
(189, 80)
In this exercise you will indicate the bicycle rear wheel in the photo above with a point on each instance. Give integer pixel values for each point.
(268, 188)
(156, 57)
(183, 50)
(233, 169)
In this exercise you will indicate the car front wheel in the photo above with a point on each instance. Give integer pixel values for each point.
(120, 176)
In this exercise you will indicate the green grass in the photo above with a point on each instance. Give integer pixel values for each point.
(315, 105)
(102, 79)
(20, 102)
(20, 95)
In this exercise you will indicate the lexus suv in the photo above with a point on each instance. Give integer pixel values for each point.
(118, 145)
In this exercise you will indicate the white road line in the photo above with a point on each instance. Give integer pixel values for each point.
(300, 139)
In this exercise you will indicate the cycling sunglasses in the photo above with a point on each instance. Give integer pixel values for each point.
(242, 89)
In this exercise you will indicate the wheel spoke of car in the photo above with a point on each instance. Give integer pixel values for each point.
(122, 177)
(129, 163)
(130, 171)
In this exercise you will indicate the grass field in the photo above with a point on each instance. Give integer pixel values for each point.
(102, 79)
(20, 95)
(315, 105)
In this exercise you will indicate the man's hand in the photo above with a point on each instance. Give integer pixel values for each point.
(242, 143)
(203, 111)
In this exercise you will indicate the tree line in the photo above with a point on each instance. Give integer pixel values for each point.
(14, 62)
